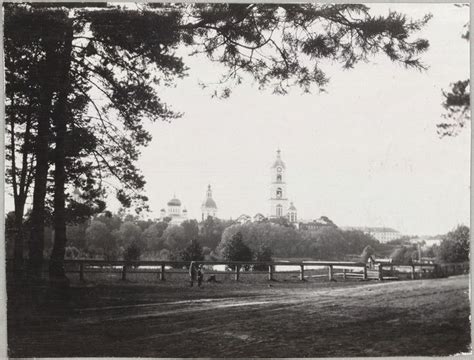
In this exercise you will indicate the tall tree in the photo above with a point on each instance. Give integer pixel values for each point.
(22, 101)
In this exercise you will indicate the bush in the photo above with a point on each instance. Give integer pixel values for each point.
(132, 252)
(165, 254)
(193, 252)
(263, 254)
(404, 255)
(455, 246)
(71, 252)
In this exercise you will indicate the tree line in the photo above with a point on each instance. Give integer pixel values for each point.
(122, 236)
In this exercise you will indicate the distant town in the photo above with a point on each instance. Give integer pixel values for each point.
(281, 207)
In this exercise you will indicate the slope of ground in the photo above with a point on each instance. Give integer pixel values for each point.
(283, 319)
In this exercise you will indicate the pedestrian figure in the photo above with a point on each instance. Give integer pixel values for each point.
(192, 273)
(200, 275)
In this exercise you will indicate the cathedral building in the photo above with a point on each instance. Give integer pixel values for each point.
(280, 206)
(175, 212)
(208, 207)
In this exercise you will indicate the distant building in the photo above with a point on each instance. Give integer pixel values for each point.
(279, 203)
(209, 207)
(259, 217)
(243, 219)
(175, 212)
(382, 234)
(427, 241)
(317, 224)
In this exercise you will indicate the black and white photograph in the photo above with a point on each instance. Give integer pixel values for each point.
(236, 180)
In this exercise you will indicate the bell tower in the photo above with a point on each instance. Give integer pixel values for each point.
(278, 195)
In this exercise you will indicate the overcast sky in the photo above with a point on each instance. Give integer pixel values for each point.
(365, 153)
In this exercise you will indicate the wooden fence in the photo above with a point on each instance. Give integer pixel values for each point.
(335, 269)
(162, 268)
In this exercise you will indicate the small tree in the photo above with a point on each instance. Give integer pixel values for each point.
(193, 252)
(263, 254)
(100, 240)
(152, 236)
(132, 252)
(236, 250)
(404, 255)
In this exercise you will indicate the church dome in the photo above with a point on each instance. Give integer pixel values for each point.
(210, 203)
(278, 162)
(174, 202)
(292, 207)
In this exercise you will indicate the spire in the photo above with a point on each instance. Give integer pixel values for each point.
(278, 162)
(209, 191)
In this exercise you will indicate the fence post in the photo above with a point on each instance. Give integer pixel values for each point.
(270, 272)
(330, 274)
(344, 276)
(413, 272)
(302, 272)
(380, 272)
(81, 272)
(364, 275)
(237, 272)
(162, 273)
(124, 273)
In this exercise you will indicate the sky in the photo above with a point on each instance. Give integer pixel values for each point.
(365, 153)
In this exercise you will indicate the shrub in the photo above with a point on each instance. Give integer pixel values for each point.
(404, 255)
(193, 252)
(236, 250)
(132, 252)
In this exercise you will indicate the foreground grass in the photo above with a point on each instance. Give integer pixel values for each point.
(286, 318)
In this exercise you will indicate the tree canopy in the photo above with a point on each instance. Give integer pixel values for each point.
(455, 246)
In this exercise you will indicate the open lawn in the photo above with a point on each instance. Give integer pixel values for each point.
(282, 318)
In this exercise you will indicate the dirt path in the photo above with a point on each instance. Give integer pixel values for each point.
(428, 317)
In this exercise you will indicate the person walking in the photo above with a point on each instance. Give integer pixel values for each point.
(200, 275)
(192, 273)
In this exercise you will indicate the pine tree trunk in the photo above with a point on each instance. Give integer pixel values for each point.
(61, 118)
(36, 241)
(18, 247)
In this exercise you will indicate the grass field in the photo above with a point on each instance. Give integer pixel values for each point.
(251, 318)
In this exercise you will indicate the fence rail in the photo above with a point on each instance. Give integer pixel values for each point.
(345, 269)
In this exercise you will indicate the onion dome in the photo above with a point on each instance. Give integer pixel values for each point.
(174, 202)
(292, 207)
(278, 162)
(209, 202)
